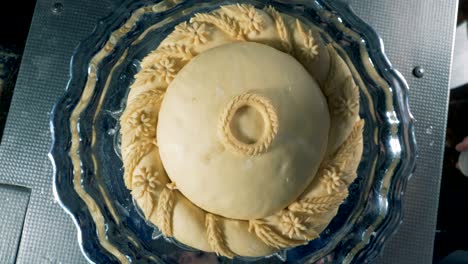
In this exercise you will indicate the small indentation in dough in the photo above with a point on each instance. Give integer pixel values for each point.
(247, 125)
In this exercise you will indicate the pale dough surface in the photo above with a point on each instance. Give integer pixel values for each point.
(213, 177)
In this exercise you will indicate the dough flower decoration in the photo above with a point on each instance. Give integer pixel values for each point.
(251, 20)
(145, 184)
(347, 104)
(254, 20)
(140, 121)
(310, 48)
(332, 180)
(165, 69)
(291, 225)
(195, 32)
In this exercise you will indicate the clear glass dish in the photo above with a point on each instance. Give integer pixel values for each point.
(88, 174)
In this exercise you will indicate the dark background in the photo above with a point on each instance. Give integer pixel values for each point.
(452, 220)
(15, 18)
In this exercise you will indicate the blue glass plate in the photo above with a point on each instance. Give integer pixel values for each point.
(88, 175)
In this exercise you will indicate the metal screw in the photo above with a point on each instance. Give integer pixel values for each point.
(57, 8)
(418, 71)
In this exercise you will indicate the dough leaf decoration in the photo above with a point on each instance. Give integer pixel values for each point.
(146, 77)
(182, 52)
(344, 160)
(160, 68)
(283, 31)
(139, 122)
(309, 49)
(346, 104)
(135, 154)
(149, 97)
(338, 172)
(271, 237)
(251, 21)
(164, 211)
(318, 205)
(225, 23)
(215, 236)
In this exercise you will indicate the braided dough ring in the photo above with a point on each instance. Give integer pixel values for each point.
(168, 204)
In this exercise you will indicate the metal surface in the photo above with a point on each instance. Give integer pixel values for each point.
(418, 33)
(13, 209)
(415, 33)
(460, 57)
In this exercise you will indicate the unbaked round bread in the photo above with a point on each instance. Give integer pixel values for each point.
(241, 132)
(193, 130)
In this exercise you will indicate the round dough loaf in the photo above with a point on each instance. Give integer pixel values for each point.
(242, 130)
(211, 174)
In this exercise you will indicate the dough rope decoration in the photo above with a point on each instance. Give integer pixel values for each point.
(307, 216)
(270, 120)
